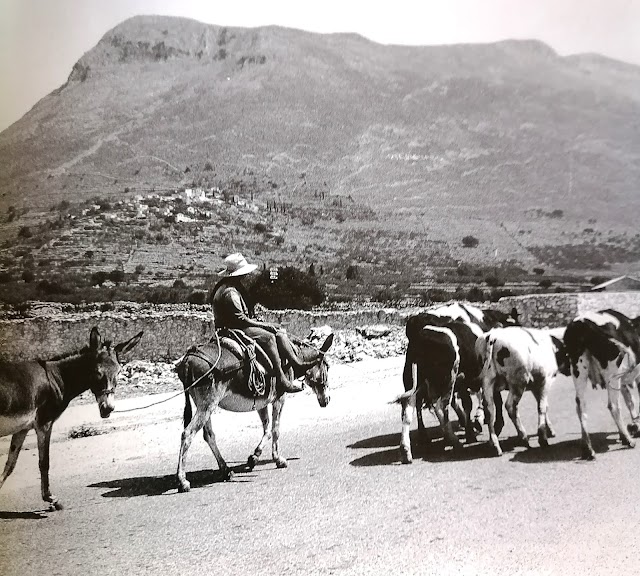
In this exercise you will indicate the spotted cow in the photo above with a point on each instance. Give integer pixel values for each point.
(604, 348)
(519, 359)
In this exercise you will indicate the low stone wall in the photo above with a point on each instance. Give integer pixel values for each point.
(555, 310)
(168, 331)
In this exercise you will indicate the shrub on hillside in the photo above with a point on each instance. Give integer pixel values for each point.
(470, 241)
(292, 288)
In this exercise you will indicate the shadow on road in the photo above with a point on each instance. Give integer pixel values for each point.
(36, 515)
(566, 450)
(158, 485)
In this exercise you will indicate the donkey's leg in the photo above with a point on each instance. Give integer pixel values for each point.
(17, 440)
(278, 405)
(44, 440)
(205, 403)
(265, 417)
(210, 439)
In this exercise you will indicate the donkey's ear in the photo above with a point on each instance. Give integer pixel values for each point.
(95, 340)
(327, 343)
(124, 347)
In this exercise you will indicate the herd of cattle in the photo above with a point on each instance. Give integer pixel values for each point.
(457, 352)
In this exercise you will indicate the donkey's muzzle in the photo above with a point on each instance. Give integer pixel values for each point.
(105, 405)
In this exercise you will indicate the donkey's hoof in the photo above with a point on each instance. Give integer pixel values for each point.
(252, 461)
(55, 505)
(184, 486)
(281, 463)
(633, 429)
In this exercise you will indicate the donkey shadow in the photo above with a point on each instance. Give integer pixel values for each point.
(161, 485)
(34, 515)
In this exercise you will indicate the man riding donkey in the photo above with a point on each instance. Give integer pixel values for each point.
(232, 309)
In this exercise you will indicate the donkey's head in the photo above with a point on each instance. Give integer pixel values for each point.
(104, 365)
(317, 377)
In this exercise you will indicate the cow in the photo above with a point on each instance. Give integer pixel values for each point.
(519, 359)
(468, 377)
(434, 381)
(604, 347)
(478, 321)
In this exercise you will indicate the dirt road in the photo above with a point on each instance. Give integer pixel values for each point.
(344, 506)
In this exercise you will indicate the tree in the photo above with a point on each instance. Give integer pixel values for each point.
(293, 288)
(352, 272)
(470, 241)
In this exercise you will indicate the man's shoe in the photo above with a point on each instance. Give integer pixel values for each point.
(290, 386)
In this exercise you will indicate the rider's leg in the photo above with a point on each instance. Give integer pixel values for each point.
(267, 341)
(288, 352)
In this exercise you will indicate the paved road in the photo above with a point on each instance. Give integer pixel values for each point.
(344, 506)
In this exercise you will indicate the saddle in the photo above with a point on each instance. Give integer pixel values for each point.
(253, 361)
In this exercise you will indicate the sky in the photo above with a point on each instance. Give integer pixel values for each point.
(40, 40)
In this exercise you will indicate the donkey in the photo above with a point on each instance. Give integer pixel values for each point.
(213, 375)
(33, 394)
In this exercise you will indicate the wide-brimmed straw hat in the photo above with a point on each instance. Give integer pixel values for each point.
(237, 265)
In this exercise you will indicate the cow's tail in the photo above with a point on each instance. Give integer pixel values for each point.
(484, 351)
(410, 364)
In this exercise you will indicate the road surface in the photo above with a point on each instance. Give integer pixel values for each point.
(345, 505)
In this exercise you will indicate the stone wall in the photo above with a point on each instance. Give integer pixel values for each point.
(168, 331)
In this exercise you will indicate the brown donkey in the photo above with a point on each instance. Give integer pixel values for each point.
(33, 394)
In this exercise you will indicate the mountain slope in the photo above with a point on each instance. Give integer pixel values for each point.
(444, 141)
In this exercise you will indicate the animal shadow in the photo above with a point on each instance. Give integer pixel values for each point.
(428, 445)
(566, 450)
(159, 485)
(35, 515)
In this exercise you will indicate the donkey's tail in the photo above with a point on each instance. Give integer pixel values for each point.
(186, 377)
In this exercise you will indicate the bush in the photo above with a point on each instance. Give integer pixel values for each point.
(292, 289)
(28, 276)
(99, 278)
(116, 276)
(538, 271)
(25, 232)
(470, 241)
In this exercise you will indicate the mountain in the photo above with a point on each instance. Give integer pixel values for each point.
(410, 149)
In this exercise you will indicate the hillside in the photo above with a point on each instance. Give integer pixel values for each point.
(383, 156)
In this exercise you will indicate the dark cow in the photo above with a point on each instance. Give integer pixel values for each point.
(467, 380)
(519, 359)
(477, 322)
(604, 347)
(433, 382)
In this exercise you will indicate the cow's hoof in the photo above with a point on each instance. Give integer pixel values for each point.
(405, 455)
(626, 441)
(281, 463)
(184, 486)
(470, 438)
(497, 451)
(544, 443)
(588, 453)
(252, 461)
(634, 430)
(227, 474)
(477, 427)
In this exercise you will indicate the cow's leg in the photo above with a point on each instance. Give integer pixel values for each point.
(488, 389)
(278, 405)
(44, 441)
(205, 402)
(613, 391)
(467, 406)
(580, 381)
(513, 399)
(544, 426)
(497, 400)
(409, 376)
(265, 417)
(210, 439)
(442, 412)
(627, 393)
(17, 440)
(479, 414)
(408, 406)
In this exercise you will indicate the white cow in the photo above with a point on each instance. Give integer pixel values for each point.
(519, 359)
